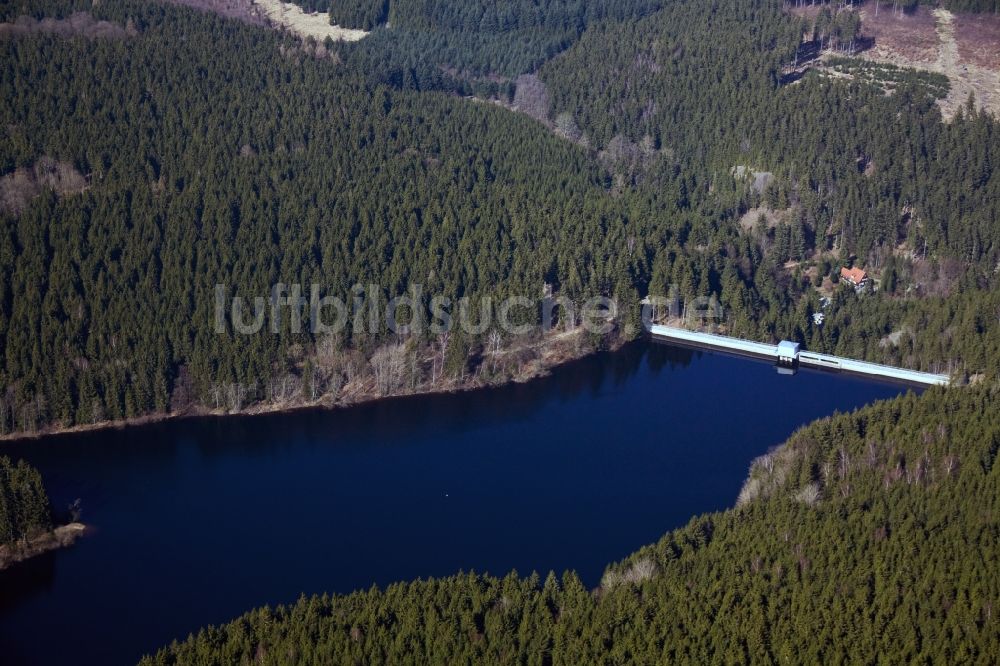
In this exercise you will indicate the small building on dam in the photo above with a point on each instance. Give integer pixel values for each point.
(788, 352)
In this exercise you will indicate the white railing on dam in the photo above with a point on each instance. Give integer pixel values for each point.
(809, 359)
(715, 341)
(802, 358)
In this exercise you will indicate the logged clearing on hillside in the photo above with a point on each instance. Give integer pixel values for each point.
(280, 15)
(316, 25)
(965, 48)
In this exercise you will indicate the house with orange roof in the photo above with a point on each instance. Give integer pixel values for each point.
(855, 277)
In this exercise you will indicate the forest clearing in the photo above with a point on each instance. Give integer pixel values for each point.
(316, 25)
(965, 48)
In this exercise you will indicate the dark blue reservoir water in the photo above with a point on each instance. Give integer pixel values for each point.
(196, 521)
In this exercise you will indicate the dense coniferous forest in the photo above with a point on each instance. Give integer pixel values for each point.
(357, 14)
(872, 533)
(24, 505)
(275, 168)
(979, 6)
(260, 163)
(365, 14)
(451, 44)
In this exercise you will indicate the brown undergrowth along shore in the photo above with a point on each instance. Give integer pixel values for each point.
(530, 359)
(60, 537)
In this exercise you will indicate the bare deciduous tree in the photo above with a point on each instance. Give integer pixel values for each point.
(843, 463)
(567, 128)
(438, 356)
(215, 391)
(532, 97)
(317, 381)
(389, 366)
(327, 350)
(31, 413)
(236, 395)
(642, 569)
(283, 387)
(809, 494)
(494, 344)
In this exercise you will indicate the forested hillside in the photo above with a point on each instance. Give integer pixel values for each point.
(272, 169)
(260, 163)
(617, 149)
(853, 168)
(873, 533)
(469, 44)
(861, 169)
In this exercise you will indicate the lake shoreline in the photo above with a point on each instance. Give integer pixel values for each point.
(62, 536)
(637, 441)
(351, 398)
